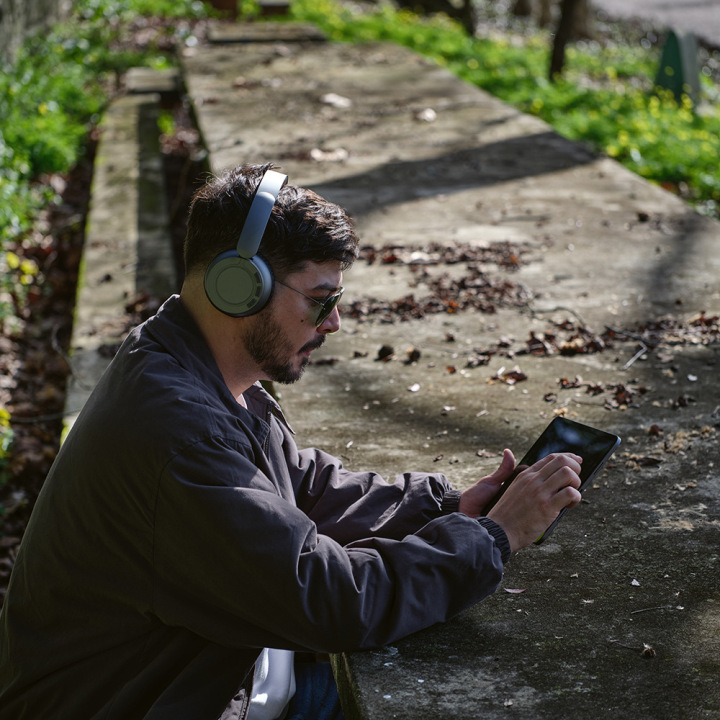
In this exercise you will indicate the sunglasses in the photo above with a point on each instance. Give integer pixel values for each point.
(325, 307)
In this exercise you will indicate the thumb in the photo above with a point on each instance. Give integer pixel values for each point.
(506, 469)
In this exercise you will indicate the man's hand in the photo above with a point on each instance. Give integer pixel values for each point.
(473, 500)
(536, 497)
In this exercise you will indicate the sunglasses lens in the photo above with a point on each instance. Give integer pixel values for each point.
(327, 307)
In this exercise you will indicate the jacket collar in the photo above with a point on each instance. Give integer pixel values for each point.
(175, 329)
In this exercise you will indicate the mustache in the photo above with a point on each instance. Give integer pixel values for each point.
(314, 345)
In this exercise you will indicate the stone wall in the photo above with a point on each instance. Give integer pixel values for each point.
(19, 18)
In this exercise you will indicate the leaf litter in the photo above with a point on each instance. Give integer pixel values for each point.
(475, 289)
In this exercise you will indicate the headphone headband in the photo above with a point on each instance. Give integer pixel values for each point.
(239, 282)
(259, 213)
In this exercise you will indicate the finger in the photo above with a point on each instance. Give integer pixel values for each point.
(506, 469)
(569, 497)
(558, 455)
(552, 463)
(507, 465)
(564, 477)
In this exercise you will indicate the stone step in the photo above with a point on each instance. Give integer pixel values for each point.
(128, 251)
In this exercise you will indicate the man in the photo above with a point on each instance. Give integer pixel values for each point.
(183, 547)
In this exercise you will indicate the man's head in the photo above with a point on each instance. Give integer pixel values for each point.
(303, 227)
(308, 243)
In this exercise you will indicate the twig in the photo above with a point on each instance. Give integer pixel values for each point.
(647, 651)
(534, 311)
(661, 607)
(642, 351)
(625, 333)
(55, 344)
(633, 336)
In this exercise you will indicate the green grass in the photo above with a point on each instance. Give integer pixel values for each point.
(51, 96)
(606, 97)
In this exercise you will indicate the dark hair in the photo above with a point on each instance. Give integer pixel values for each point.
(303, 227)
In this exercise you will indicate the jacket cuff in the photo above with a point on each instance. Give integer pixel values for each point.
(450, 502)
(501, 539)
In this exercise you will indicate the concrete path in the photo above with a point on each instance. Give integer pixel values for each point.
(618, 614)
(508, 276)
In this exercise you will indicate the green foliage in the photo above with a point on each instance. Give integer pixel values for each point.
(606, 98)
(46, 103)
(166, 122)
(50, 96)
(126, 10)
(53, 91)
(47, 99)
(248, 9)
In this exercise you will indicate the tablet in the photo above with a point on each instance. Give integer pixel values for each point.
(562, 435)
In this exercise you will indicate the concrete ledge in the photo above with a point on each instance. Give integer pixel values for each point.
(143, 80)
(128, 251)
(263, 32)
(618, 613)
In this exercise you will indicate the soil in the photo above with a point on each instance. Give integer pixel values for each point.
(33, 354)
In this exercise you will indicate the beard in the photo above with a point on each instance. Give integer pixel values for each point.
(270, 348)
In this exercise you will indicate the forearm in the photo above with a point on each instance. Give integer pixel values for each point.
(348, 506)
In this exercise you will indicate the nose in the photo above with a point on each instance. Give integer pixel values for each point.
(331, 324)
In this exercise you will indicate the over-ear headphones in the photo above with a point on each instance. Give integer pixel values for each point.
(238, 282)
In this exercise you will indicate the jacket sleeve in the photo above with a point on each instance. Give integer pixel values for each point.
(349, 505)
(225, 541)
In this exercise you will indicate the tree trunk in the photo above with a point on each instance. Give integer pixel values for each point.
(562, 36)
(522, 8)
(468, 17)
(583, 23)
(464, 12)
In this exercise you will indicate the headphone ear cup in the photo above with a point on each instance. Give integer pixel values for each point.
(238, 286)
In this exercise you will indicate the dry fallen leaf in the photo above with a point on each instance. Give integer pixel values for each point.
(413, 355)
(385, 353)
(510, 377)
(325, 361)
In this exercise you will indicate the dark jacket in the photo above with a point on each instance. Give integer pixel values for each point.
(178, 533)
